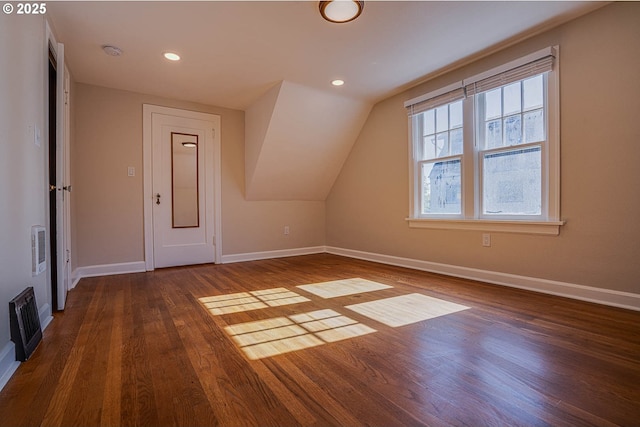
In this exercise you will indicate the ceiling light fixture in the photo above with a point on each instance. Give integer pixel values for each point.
(340, 11)
(112, 50)
(337, 82)
(189, 144)
(171, 56)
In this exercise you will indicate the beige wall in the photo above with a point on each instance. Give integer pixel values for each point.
(23, 199)
(600, 153)
(107, 206)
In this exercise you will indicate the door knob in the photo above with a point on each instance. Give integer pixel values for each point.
(157, 198)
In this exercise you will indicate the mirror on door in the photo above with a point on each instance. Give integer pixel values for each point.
(184, 180)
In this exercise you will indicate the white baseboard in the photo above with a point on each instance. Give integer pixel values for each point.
(75, 278)
(107, 270)
(570, 290)
(8, 363)
(585, 293)
(253, 256)
(45, 316)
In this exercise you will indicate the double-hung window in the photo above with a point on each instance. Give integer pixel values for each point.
(485, 151)
(438, 150)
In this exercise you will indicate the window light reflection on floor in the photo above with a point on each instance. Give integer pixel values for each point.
(340, 288)
(279, 335)
(254, 300)
(271, 337)
(406, 309)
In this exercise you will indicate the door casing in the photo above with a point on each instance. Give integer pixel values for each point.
(215, 175)
(63, 187)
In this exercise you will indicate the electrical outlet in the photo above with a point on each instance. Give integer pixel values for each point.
(286, 230)
(486, 239)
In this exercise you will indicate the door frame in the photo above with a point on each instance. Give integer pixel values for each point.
(67, 274)
(61, 144)
(147, 166)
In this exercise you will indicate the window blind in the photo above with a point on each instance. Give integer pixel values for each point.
(531, 65)
(434, 99)
(538, 66)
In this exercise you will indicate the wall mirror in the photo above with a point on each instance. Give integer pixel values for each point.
(185, 210)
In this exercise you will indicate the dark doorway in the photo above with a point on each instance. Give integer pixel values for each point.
(53, 190)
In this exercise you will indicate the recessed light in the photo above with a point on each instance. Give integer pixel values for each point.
(337, 82)
(171, 56)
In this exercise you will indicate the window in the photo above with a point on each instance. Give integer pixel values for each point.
(485, 150)
(510, 138)
(439, 156)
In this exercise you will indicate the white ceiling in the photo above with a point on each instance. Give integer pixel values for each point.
(275, 61)
(233, 52)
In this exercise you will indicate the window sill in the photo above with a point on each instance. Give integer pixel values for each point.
(549, 228)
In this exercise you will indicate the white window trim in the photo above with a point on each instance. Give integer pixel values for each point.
(472, 220)
(549, 228)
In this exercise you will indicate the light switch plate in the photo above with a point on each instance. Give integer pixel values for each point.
(36, 135)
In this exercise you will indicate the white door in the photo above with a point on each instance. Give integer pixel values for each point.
(183, 155)
(64, 255)
(62, 184)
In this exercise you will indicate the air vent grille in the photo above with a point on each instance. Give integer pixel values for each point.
(26, 331)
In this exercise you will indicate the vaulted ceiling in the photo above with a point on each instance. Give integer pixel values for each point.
(275, 60)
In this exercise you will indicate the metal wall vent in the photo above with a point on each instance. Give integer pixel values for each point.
(24, 320)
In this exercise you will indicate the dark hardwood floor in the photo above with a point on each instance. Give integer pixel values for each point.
(142, 349)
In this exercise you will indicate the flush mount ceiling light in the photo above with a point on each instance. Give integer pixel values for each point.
(340, 11)
(172, 56)
(189, 144)
(337, 82)
(112, 50)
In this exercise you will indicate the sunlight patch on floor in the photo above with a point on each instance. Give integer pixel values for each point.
(340, 288)
(271, 337)
(254, 300)
(284, 334)
(406, 309)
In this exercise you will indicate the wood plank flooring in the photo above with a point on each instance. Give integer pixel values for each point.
(143, 349)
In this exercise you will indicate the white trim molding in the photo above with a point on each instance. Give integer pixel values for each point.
(45, 316)
(609, 297)
(8, 363)
(282, 253)
(548, 228)
(107, 270)
(580, 292)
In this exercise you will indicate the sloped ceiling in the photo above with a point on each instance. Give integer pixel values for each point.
(234, 53)
(296, 141)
